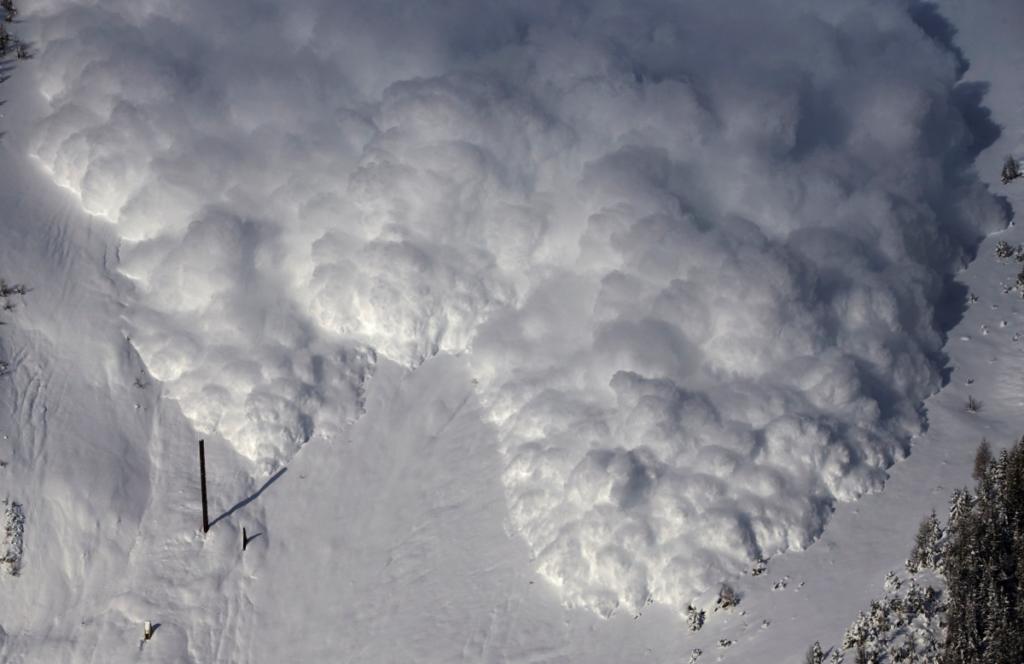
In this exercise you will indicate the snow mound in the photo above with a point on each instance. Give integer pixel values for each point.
(694, 255)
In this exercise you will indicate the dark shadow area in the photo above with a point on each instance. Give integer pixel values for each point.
(950, 309)
(156, 626)
(926, 16)
(967, 97)
(239, 505)
(248, 540)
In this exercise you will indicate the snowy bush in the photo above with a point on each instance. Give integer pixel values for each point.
(814, 654)
(1010, 171)
(727, 597)
(12, 546)
(1004, 250)
(694, 618)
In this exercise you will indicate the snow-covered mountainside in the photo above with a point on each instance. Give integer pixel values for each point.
(513, 329)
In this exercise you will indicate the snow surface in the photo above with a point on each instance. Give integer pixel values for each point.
(284, 291)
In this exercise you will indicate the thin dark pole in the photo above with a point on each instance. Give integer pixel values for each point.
(245, 539)
(202, 482)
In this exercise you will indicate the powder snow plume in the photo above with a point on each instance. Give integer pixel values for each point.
(693, 252)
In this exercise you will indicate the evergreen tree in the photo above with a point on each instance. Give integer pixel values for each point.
(927, 551)
(1011, 170)
(984, 565)
(814, 654)
(982, 459)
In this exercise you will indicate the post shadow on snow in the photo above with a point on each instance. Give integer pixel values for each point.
(239, 505)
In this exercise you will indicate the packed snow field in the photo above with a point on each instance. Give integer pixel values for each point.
(513, 328)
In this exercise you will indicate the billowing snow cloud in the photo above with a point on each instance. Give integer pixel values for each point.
(693, 252)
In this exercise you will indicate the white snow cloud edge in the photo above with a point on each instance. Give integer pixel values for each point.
(693, 255)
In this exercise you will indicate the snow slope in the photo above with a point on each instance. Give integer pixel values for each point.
(391, 541)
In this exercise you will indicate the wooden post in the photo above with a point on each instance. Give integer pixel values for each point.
(147, 630)
(245, 539)
(202, 482)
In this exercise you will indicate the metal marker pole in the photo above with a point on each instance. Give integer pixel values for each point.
(202, 481)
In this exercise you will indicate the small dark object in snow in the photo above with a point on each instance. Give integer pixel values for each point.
(1011, 170)
(1004, 250)
(13, 537)
(727, 597)
(694, 618)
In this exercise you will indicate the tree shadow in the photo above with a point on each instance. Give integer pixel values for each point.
(239, 505)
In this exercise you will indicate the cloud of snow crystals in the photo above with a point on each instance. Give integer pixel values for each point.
(693, 251)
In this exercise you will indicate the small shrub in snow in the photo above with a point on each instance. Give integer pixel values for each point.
(892, 582)
(759, 568)
(973, 405)
(695, 655)
(1004, 249)
(814, 654)
(724, 643)
(727, 597)
(694, 618)
(10, 11)
(14, 533)
(7, 291)
(1018, 285)
(1011, 170)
